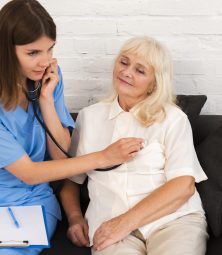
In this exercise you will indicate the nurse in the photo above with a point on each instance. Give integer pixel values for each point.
(27, 38)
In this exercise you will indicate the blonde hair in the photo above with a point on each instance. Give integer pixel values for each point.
(152, 108)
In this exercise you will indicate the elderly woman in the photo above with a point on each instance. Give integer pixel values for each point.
(148, 205)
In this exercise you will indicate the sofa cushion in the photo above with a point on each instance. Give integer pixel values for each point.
(209, 153)
(191, 104)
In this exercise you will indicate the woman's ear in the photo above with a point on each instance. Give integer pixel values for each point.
(152, 89)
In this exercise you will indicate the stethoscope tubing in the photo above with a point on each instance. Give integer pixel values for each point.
(33, 97)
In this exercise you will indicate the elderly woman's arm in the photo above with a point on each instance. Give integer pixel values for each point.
(161, 202)
(78, 227)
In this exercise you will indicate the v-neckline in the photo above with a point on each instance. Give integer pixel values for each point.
(21, 109)
(20, 115)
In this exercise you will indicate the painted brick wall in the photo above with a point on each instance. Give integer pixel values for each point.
(90, 33)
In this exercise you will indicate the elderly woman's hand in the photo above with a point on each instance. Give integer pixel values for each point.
(78, 231)
(111, 232)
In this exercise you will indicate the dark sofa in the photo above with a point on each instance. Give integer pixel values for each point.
(207, 133)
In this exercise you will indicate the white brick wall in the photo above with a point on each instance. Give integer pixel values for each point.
(90, 32)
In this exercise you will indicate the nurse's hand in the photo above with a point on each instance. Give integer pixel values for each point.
(122, 151)
(78, 231)
(49, 80)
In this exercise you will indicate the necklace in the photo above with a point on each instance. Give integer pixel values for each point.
(32, 91)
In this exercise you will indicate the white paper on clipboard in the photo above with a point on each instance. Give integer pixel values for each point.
(32, 231)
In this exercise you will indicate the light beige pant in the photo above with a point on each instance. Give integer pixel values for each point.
(184, 236)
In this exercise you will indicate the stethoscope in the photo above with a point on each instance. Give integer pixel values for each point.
(33, 95)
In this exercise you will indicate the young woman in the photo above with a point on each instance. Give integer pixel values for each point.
(27, 38)
(149, 205)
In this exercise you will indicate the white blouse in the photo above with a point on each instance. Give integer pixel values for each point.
(168, 153)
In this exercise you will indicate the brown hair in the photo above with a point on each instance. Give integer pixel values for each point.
(21, 22)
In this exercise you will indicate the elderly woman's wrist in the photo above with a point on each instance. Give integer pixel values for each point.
(130, 221)
(72, 217)
(125, 223)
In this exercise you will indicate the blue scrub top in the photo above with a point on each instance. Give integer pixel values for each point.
(20, 133)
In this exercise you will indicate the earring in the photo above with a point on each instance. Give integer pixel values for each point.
(149, 92)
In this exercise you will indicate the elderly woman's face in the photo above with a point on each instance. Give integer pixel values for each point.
(133, 78)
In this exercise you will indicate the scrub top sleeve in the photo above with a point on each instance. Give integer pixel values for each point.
(63, 113)
(181, 158)
(10, 149)
(76, 148)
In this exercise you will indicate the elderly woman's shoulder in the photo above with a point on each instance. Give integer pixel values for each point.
(97, 108)
(174, 112)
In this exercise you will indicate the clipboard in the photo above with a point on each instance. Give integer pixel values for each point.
(32, 230)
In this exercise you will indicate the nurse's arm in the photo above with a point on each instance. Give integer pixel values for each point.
(38, 172)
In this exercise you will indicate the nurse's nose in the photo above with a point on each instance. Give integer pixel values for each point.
(45, 61)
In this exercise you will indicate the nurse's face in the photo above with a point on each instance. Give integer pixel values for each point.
(34, 58)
